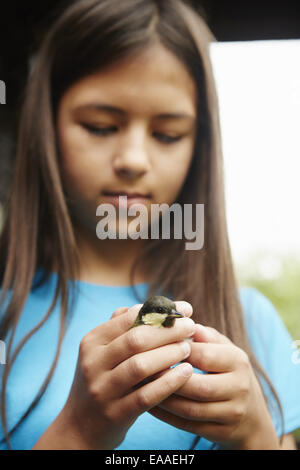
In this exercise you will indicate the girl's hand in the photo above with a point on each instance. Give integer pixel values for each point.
(225, 406)
(111, 387)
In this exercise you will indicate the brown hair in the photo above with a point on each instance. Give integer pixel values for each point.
(89, 35)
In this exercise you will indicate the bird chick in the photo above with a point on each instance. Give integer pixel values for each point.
(158, 311)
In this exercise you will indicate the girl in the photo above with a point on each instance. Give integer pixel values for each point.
(121, 100)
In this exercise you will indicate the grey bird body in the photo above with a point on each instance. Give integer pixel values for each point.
(158, 311)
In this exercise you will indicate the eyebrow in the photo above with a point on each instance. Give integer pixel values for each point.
(121, 112)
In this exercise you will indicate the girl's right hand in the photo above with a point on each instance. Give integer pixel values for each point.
(111, 386)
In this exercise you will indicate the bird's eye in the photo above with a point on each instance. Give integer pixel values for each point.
(159, 309)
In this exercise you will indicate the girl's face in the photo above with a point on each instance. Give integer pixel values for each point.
(129, 128)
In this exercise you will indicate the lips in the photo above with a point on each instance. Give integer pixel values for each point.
(125, 193)
(112, 197)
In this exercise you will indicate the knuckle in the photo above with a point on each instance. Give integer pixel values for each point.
(93, 391)
(143, 399)
(84, 345)
(205, 388)
(134, 340)
(116, 381)
(190, 410)
(110, 413)
(244, 386)
(238, 412)
(243, 359)
(86, 367)
(136, 368)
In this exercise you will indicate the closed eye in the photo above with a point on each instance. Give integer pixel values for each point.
(105, 131)
(99, 130)
(160, 310)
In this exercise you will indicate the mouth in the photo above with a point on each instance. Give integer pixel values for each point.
(130, 195)
(113, 197)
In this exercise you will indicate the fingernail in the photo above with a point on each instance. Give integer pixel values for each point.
(185, 369)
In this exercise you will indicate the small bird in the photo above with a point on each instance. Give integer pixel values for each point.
(158, 311)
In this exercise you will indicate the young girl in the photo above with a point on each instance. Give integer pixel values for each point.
(121, 100)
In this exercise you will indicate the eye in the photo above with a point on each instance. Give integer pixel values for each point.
(159, 310)
(166, 139)
(103, 131)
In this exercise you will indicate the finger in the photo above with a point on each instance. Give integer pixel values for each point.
(205, 429)
(119, 311)
(209, 335)
(148, 396)
(216, 412)
(137, 368)
(214, 357)
(144, 338)
(184, 307)
(108, 331)
(209, 387)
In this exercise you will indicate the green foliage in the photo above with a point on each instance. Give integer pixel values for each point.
(284, 292)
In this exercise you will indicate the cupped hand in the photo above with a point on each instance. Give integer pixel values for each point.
(225, 405)
(111, 386)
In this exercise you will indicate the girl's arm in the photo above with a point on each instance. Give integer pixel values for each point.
(62, 435)
(110, 388)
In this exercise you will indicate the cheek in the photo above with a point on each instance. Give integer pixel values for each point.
(173, 170)
(82, 162)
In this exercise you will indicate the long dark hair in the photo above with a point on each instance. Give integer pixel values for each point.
(89, 35)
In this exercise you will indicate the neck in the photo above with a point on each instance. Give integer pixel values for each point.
(108, 261)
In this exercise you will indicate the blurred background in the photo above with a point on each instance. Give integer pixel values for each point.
(257, 70)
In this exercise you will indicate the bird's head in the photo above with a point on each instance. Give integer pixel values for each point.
(159, 311)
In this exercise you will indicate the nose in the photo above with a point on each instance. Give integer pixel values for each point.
(132, 160)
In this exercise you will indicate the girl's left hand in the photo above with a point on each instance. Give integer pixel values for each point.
(227, 405)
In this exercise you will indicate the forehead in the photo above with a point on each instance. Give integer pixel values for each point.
(152, 80)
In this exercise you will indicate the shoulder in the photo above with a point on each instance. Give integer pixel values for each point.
(258, 310)
(253, 300)
(266, 331)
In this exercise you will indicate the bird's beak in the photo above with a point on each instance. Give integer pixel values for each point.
(175, 314)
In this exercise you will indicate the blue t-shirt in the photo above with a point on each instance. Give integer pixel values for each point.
(268, 336)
